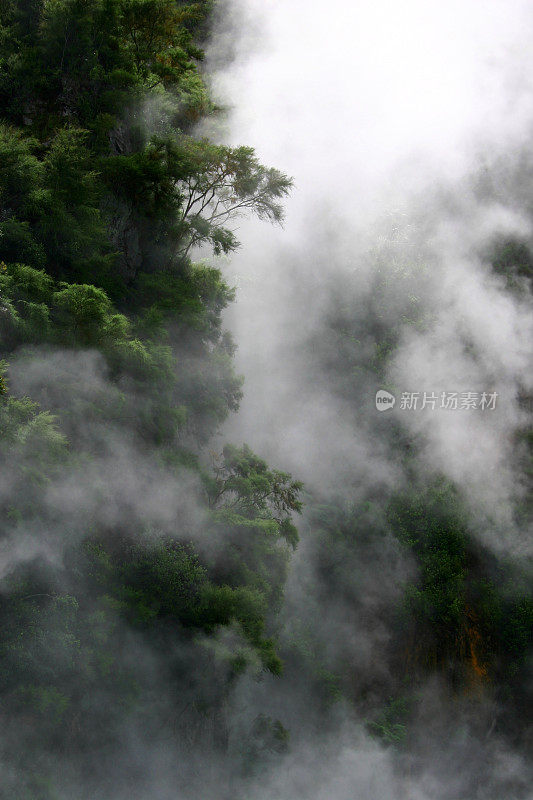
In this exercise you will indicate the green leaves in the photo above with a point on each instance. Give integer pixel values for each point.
(221, 184)
(432, 523)
(190, 191)
(103, 196)
(28, 435)
(22, 197)
(244, 482)
(252, 512)
(390, 725)
(21, 173)
(164, 582)
(82, 310)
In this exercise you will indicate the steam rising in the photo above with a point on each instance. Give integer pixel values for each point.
(403, 126)
(406, 128)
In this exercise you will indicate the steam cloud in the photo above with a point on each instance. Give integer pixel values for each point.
(406, 128)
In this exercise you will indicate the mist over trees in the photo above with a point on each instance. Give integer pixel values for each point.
(178, 617)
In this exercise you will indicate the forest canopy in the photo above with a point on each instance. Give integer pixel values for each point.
(144, 578)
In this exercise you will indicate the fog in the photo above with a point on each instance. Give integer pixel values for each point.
(405, 128)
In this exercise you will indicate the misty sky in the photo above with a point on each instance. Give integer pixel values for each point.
(336, 95)
(382, 113)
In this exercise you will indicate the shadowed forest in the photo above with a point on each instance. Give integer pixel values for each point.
(180, 616)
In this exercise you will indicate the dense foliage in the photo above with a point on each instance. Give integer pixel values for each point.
(104, 193)
(144, 570)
